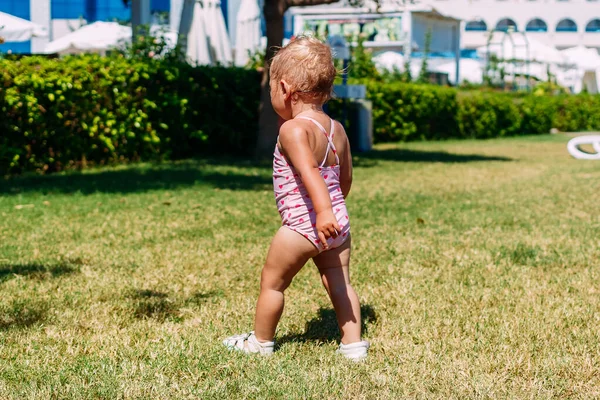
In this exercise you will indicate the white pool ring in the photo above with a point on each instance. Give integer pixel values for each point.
(575, 151)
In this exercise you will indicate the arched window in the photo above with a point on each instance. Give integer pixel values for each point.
(476, 26)
(506, 23)
(566, 25)
(593, 26)
(536, 25)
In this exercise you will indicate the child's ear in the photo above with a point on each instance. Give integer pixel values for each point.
(285, 89)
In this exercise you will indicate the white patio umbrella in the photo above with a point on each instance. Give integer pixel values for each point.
(587, 72)
(390, 60)
(192, 31)
(15, 29)
(95, 37)
(248, 32)
(587, 59)
(99, 37)
(523, 48)
(469, 70)
(538, 71)
(217, 34)
(393, 61)
(164, 32)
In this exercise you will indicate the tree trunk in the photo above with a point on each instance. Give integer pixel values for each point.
(268, 123)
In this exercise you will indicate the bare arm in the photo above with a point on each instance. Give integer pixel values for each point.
(294, 143)
(346, 170)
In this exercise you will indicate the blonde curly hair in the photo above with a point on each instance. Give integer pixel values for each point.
(306, 64)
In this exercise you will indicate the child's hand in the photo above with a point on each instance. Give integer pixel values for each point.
(327, 226)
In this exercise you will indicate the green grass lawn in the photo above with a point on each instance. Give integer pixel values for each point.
(477, 263)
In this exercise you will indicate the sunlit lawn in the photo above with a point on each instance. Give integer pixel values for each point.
(477, 263)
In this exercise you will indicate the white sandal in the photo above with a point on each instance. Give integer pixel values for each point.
(248, 343)
(354, 351)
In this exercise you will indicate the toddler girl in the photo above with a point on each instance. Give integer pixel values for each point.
(312, 175)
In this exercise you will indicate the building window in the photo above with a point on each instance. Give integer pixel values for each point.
(92, 10)
(17, 8)
(505, 24)
(479, 26)
(16, 47)
(593, 26)
(566, 25)
(107, 10)
(163, 5)
(536, 25)
(68, 9)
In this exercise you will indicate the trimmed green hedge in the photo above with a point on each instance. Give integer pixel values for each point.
(58, 114)
(68, 113)
(488, 115)
(406, 111)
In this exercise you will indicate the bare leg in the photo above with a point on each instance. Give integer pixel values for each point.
(288, 253)
(334, 267)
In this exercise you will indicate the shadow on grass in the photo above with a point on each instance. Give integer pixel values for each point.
(21, 314)
(243, 175)
(222, 173)
(157, 305)
(324, 327)
(371, 158)
(152, 304)
(35, 271)
(199, 298)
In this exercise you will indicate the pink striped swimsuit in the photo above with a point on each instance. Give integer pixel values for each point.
(293, 201)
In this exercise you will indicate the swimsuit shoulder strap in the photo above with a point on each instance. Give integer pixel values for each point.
(317, 123)
(328, 136)
(330, 139)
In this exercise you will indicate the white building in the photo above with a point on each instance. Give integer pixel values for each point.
(387, 25)
(559, 23)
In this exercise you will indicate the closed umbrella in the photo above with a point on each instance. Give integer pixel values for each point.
(217, 34)
(248, 32)
(15, 29)
(192, 31)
